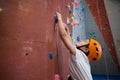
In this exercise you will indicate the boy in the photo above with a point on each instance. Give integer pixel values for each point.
(84, 52)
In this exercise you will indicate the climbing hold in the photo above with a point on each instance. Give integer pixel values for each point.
(83, 7)
(90, 33)
(70, 11)
(55, 18)
(72, 14)
(93, 32)
(72, 3)
(78, 38)
(73, 39)
(72, 17)
(56, 77)
(68, 21)
(55, 21)
(76, 8)
(94, 36)
(67, 6)
(75, 22)
(51, 55)
(90, 6)
(109, 12)
(1, 10)
(76, 3)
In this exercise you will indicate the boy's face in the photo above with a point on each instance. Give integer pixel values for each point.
(81, 43)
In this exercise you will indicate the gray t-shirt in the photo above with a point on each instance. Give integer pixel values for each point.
(79, 66)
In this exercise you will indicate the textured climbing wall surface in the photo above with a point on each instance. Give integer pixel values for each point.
(27, 37)
(98, 11)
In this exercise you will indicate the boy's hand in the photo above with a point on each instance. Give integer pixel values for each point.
(60, 19)
(59, 16)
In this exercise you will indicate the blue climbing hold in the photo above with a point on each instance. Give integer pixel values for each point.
(70, 11)
(76, 8)
(51, 55)
(90, 34)
(78, 38)
(83, 7)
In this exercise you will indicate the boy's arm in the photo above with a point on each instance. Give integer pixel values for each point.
(64, 35)
(68, 33)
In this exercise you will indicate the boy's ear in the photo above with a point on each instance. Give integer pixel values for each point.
(84, 49)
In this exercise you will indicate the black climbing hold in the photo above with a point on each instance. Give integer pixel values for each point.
(55, 18)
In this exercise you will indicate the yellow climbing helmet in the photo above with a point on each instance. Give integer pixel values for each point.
(95, 50)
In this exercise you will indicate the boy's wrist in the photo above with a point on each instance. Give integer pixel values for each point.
(59, 19)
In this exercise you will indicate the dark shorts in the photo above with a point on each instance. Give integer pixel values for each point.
(69, 78)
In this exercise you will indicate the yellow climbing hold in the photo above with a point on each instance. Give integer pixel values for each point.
(1, 9)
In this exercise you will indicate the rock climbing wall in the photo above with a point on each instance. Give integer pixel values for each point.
(98, 11)
(30, 47)
(113, 12)
(101, 67)
(78, 31)
(89, 13)
(95, 18)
